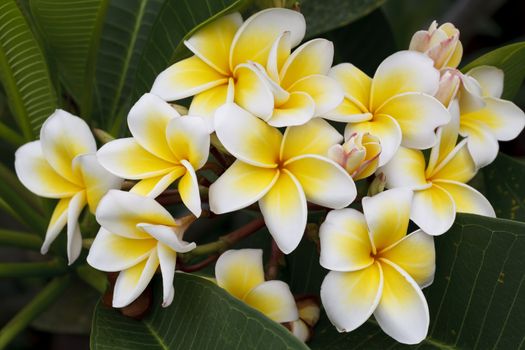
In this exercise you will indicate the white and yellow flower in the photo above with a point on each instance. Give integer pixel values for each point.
(63, 165)
(164, 148)
(224, 51)
(137, 235)
(359, 155)
(280, 171)
(441, 44)
(439, 191)
(396, 105)
(495, 120)
(376, 268)
(241, 273)
(299, 82)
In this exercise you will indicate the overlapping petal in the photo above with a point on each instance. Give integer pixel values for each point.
(74, 237)
(466, 198)
(457, 166)
(325, 92)
(285, 211)
(189, 190)
(433, 210)
(355, 83)
(188, 139)
(406, 169)
(252, 91)
(275, 300)
(490, 80)
(297, 110)
(167, 262)
(56, 224)
(345, 243)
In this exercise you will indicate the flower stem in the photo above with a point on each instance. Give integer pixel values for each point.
(274, 263)
(200, 265)
(226, 241)
(33, 269)
(39, 304)
(20, 239)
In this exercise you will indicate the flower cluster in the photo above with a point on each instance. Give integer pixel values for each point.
(269, 111)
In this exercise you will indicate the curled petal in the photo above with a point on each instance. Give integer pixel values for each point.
(418, 115)
(63, 137)
(481, 143)
(119, 212)
(311, 58)
(74, 237)
(240, 186)
(457, 166)
(355, 83)
(416, 255)
(131, 282)
(240, 271)
(439, 203)
(189, 190)
(402, 312)
(247, 137)
(188, 139)
(38, 176)
(252, 91)
(347, 112)
(167, 261)
(56, 224)
(387, 215)
(206, 103)
(186, 78)
(490, 80)
(254, 39)
(350, 298)
(154, 186)
(148, 120)
(167, 236)
(212, 43)
(297, 110)
(314, 137)
(110, 252)
(285, 212)
(404, 71)
(466, 198)
(325, 91)
(279, 52)
(345, 243)
(406, 169)
(275, 300)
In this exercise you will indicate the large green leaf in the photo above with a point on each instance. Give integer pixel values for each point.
(322, 16)
(177, 20)
(202, 316)
(23, 71)
(126, 28)
(510, 59)
(504, 187)
(477, 300)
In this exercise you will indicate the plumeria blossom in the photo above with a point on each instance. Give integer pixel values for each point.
(396, 105)
(227, 50)
(241, 273)
(137, 235)
(439, 191)
(164, 148)
(359, 155)
(497, 120)
(299, 81)
(441, 44)
(63, 165)
(376, 268)
(279, 171)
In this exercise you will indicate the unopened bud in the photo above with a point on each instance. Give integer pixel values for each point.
(182, 110)
(449, 84)
(441, 44)
(102, 136)
(359, 155)
(377, 185)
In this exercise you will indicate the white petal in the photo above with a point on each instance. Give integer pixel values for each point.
(56, 224)
(350, 298)
(154, 186)
(189, 139)
(74, 238)
(466, 198)
(405, 169)
(275, 300)
(167, 260)
(168, 236)
(189, 190)
(402, 312)
(131, 282)
(239, 271)
(482, 144)
(285, 212)
(110, 252)
(297, 110)
(325, 91)
(490, 80)
(252, 91)
(433, 210)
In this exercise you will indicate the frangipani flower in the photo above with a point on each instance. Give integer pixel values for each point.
(359, 155)
(280, 171)
(223, 51)
(299, 81)
(441, 44)
(137, 235)
(241, 273)
(440, 190)
(396, 105)
(376, 268)
(63, 165)
(497, 120)
(164, 147)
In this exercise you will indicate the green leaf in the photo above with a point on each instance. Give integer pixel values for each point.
(476, 301)
(202, 316)
(510, 59)
(71, 30)
(504, 187)
(23, 72)
(178, 19)
(322, 16)
(126, 28)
